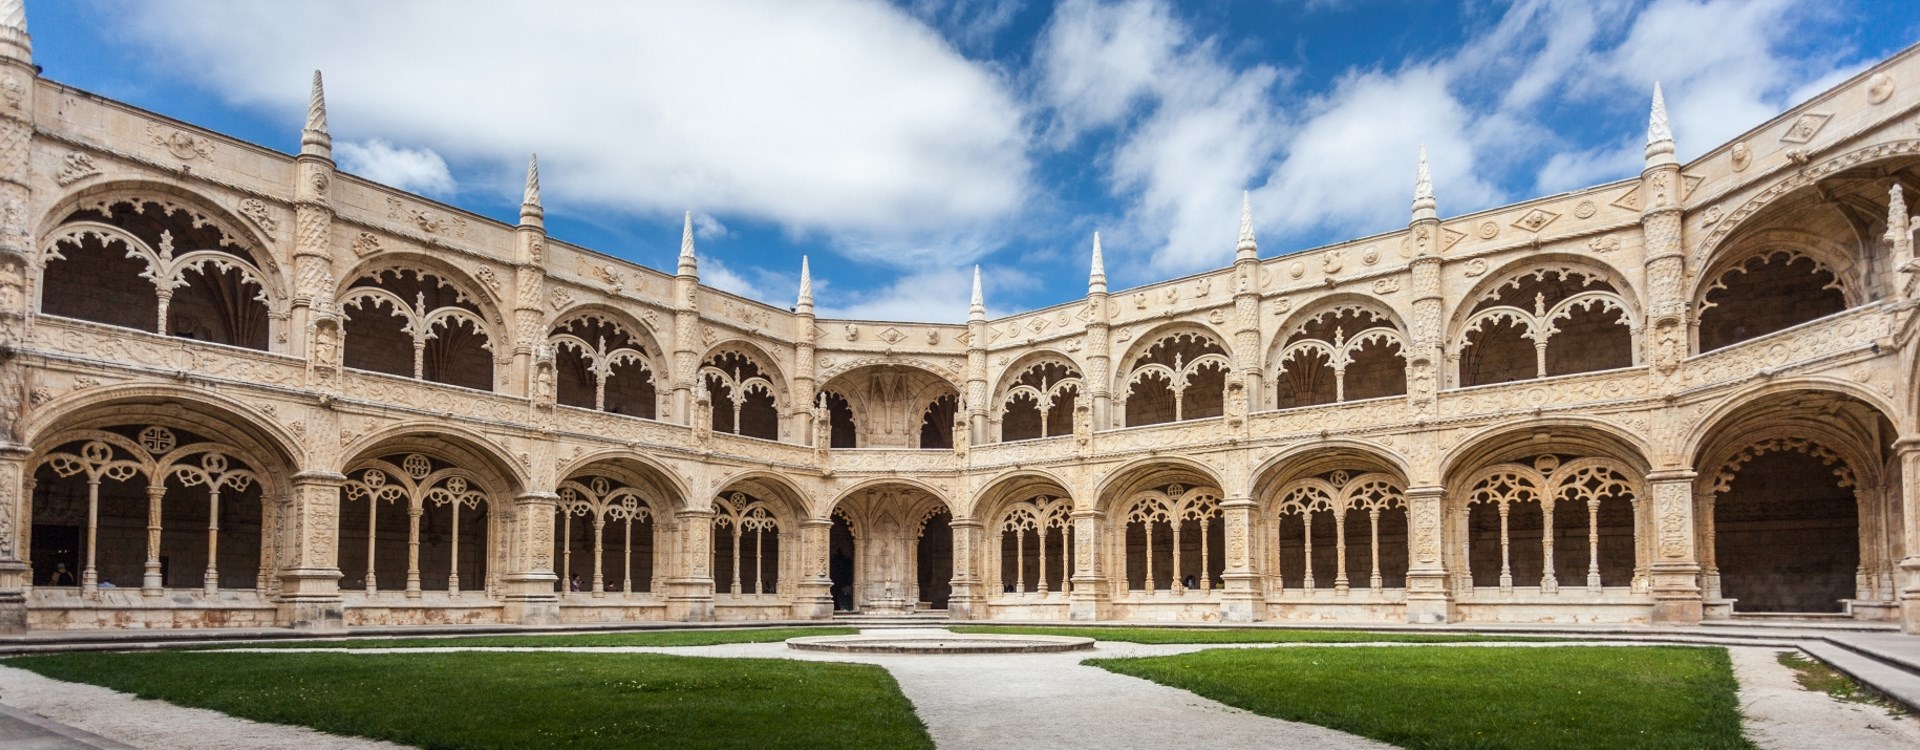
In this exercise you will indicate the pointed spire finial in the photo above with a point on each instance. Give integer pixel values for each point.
(314, 139)
(1659, 134)
(531, 213)
(806, 287)
(977, 309)
(1097, 275)
(1247, 249)
(13, 31)
(688, 264)
(1424, 205)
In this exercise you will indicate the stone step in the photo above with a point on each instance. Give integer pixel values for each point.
(1896, 679)
(1839, 623)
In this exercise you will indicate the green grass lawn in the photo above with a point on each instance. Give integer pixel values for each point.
(468, 701)
(1239, 635)
(1588, 697)
(702, 637)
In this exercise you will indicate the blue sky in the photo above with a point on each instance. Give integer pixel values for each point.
(899, 144)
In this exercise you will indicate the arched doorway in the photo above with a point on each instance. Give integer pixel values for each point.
(890, 550)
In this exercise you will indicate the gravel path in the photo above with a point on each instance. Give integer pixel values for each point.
(1781, 715)
(996, 702)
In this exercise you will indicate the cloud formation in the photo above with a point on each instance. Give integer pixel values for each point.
(418, 170)
(825, 116)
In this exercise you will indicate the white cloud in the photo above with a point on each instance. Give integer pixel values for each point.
(417, 170)
(716, 274)
(938, 295)
(824, 116)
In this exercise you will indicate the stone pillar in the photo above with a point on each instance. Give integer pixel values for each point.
(529, 287)
(1908, 449)
(1246, 311)
(1666, 329)
(804, 363)
(528, 583)
(18, 75)
(813, 596)
(1099, 343)
(14, 571)
(690, 591)
(976, 401)
(1674, 572)
(314, 282)
(1428, 600)
(968, 600)
(1089, 599)
(1240, 599)
(1426, 373)
(686, 333)
(310, 553)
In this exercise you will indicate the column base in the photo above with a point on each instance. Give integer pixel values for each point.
(1910, 595)
(533, 610)
(815, 602)
(1089, 607)
(966, 608)
(315, 616)
(1240, 601)
(1676, 594)
(1427, 600)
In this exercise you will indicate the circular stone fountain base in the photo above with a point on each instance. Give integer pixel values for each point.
(941, 643)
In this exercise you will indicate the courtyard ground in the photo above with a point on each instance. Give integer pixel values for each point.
(1056, 701)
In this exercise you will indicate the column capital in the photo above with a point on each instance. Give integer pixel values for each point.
(1662, 476)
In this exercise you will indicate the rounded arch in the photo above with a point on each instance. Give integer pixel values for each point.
(1771, 409)
(466, 447)
(1592, 434)
(939, 495)
(1155, 335)
(1012, 485)
(634, 469)
(657, 355)
(760, 357)
(1143, 473)
(208, 210)
(1332, 304)
(1869, 159)
(490, 305)
(1828, 254)
(205, 411)
(1319, 457)
(1007, 376)
(768, 486)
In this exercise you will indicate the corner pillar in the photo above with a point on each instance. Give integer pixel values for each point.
(1674, 574)
(1240, 599)
(967, 601)
(1908, 449)
(14, 571)
(1089, 598)
(813, 598)
(528, 584)
(310, 553)
(1427, 598)
(690, 592)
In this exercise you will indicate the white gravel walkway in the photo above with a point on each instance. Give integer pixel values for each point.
(157, 725)
(1781, 715)
(996, 702)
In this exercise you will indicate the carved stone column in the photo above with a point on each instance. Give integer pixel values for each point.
(813, 596)
(528, 583)
(1908, 449)
(690, 591)
(310, 553)
(976, 401)
(1666, 329)
(14, 571)
(1099, 343)
(1427, 597)
(1089, 599)
(967, 601)
(1675, 569)
(805, 365)
(1240, 599)
(314, 282)
(686, 333)
(529, 286)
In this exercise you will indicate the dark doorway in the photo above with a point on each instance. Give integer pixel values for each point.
(840, 565)
(936, 561)
(1787, 536)
(56, 548)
